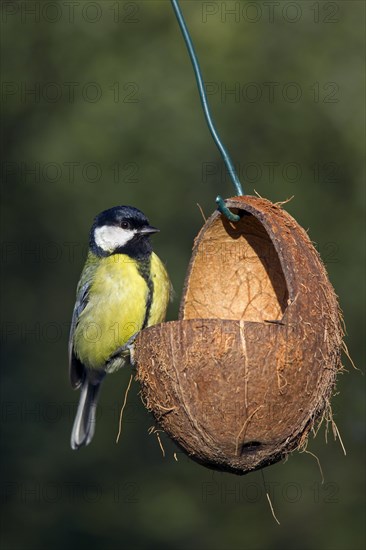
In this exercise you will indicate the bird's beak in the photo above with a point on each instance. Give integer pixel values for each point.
(147, 230)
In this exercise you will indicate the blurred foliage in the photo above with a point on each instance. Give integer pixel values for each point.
(114, 118)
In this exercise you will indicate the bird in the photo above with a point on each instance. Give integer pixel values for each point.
(123, 288)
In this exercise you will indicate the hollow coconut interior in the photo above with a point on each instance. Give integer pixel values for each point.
(236, 274)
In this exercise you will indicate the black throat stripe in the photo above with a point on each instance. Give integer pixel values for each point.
(144, 267)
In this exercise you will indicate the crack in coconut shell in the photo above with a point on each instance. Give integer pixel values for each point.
(249, 369)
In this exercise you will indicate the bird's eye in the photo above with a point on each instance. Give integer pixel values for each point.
(125, 225)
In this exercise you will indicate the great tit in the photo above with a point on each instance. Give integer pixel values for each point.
(123, 288)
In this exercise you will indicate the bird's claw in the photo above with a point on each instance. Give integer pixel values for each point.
(126, 349)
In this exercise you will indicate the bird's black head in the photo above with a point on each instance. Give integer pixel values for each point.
(121, 230)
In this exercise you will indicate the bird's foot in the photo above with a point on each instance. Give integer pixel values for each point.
(124, 352)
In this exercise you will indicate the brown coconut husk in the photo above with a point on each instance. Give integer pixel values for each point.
(240, 380)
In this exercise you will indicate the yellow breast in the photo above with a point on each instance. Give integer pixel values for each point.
(162, 290)
(117, 307)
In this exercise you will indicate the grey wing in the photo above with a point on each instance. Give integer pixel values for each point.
(76, 368)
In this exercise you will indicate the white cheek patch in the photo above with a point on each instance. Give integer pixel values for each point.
(110, 237)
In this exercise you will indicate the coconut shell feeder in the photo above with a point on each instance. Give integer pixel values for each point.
(240, 379)
(247, 371)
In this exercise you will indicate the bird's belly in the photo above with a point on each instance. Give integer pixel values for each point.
(115, 312)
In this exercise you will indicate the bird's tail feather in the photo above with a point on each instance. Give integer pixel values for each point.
(84, 424)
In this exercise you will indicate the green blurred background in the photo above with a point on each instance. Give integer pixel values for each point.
(100, 108)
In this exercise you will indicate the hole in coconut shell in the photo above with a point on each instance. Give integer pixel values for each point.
(236, 274)
(251, 446)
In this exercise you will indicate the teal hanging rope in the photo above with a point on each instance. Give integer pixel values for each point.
(206, 109)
